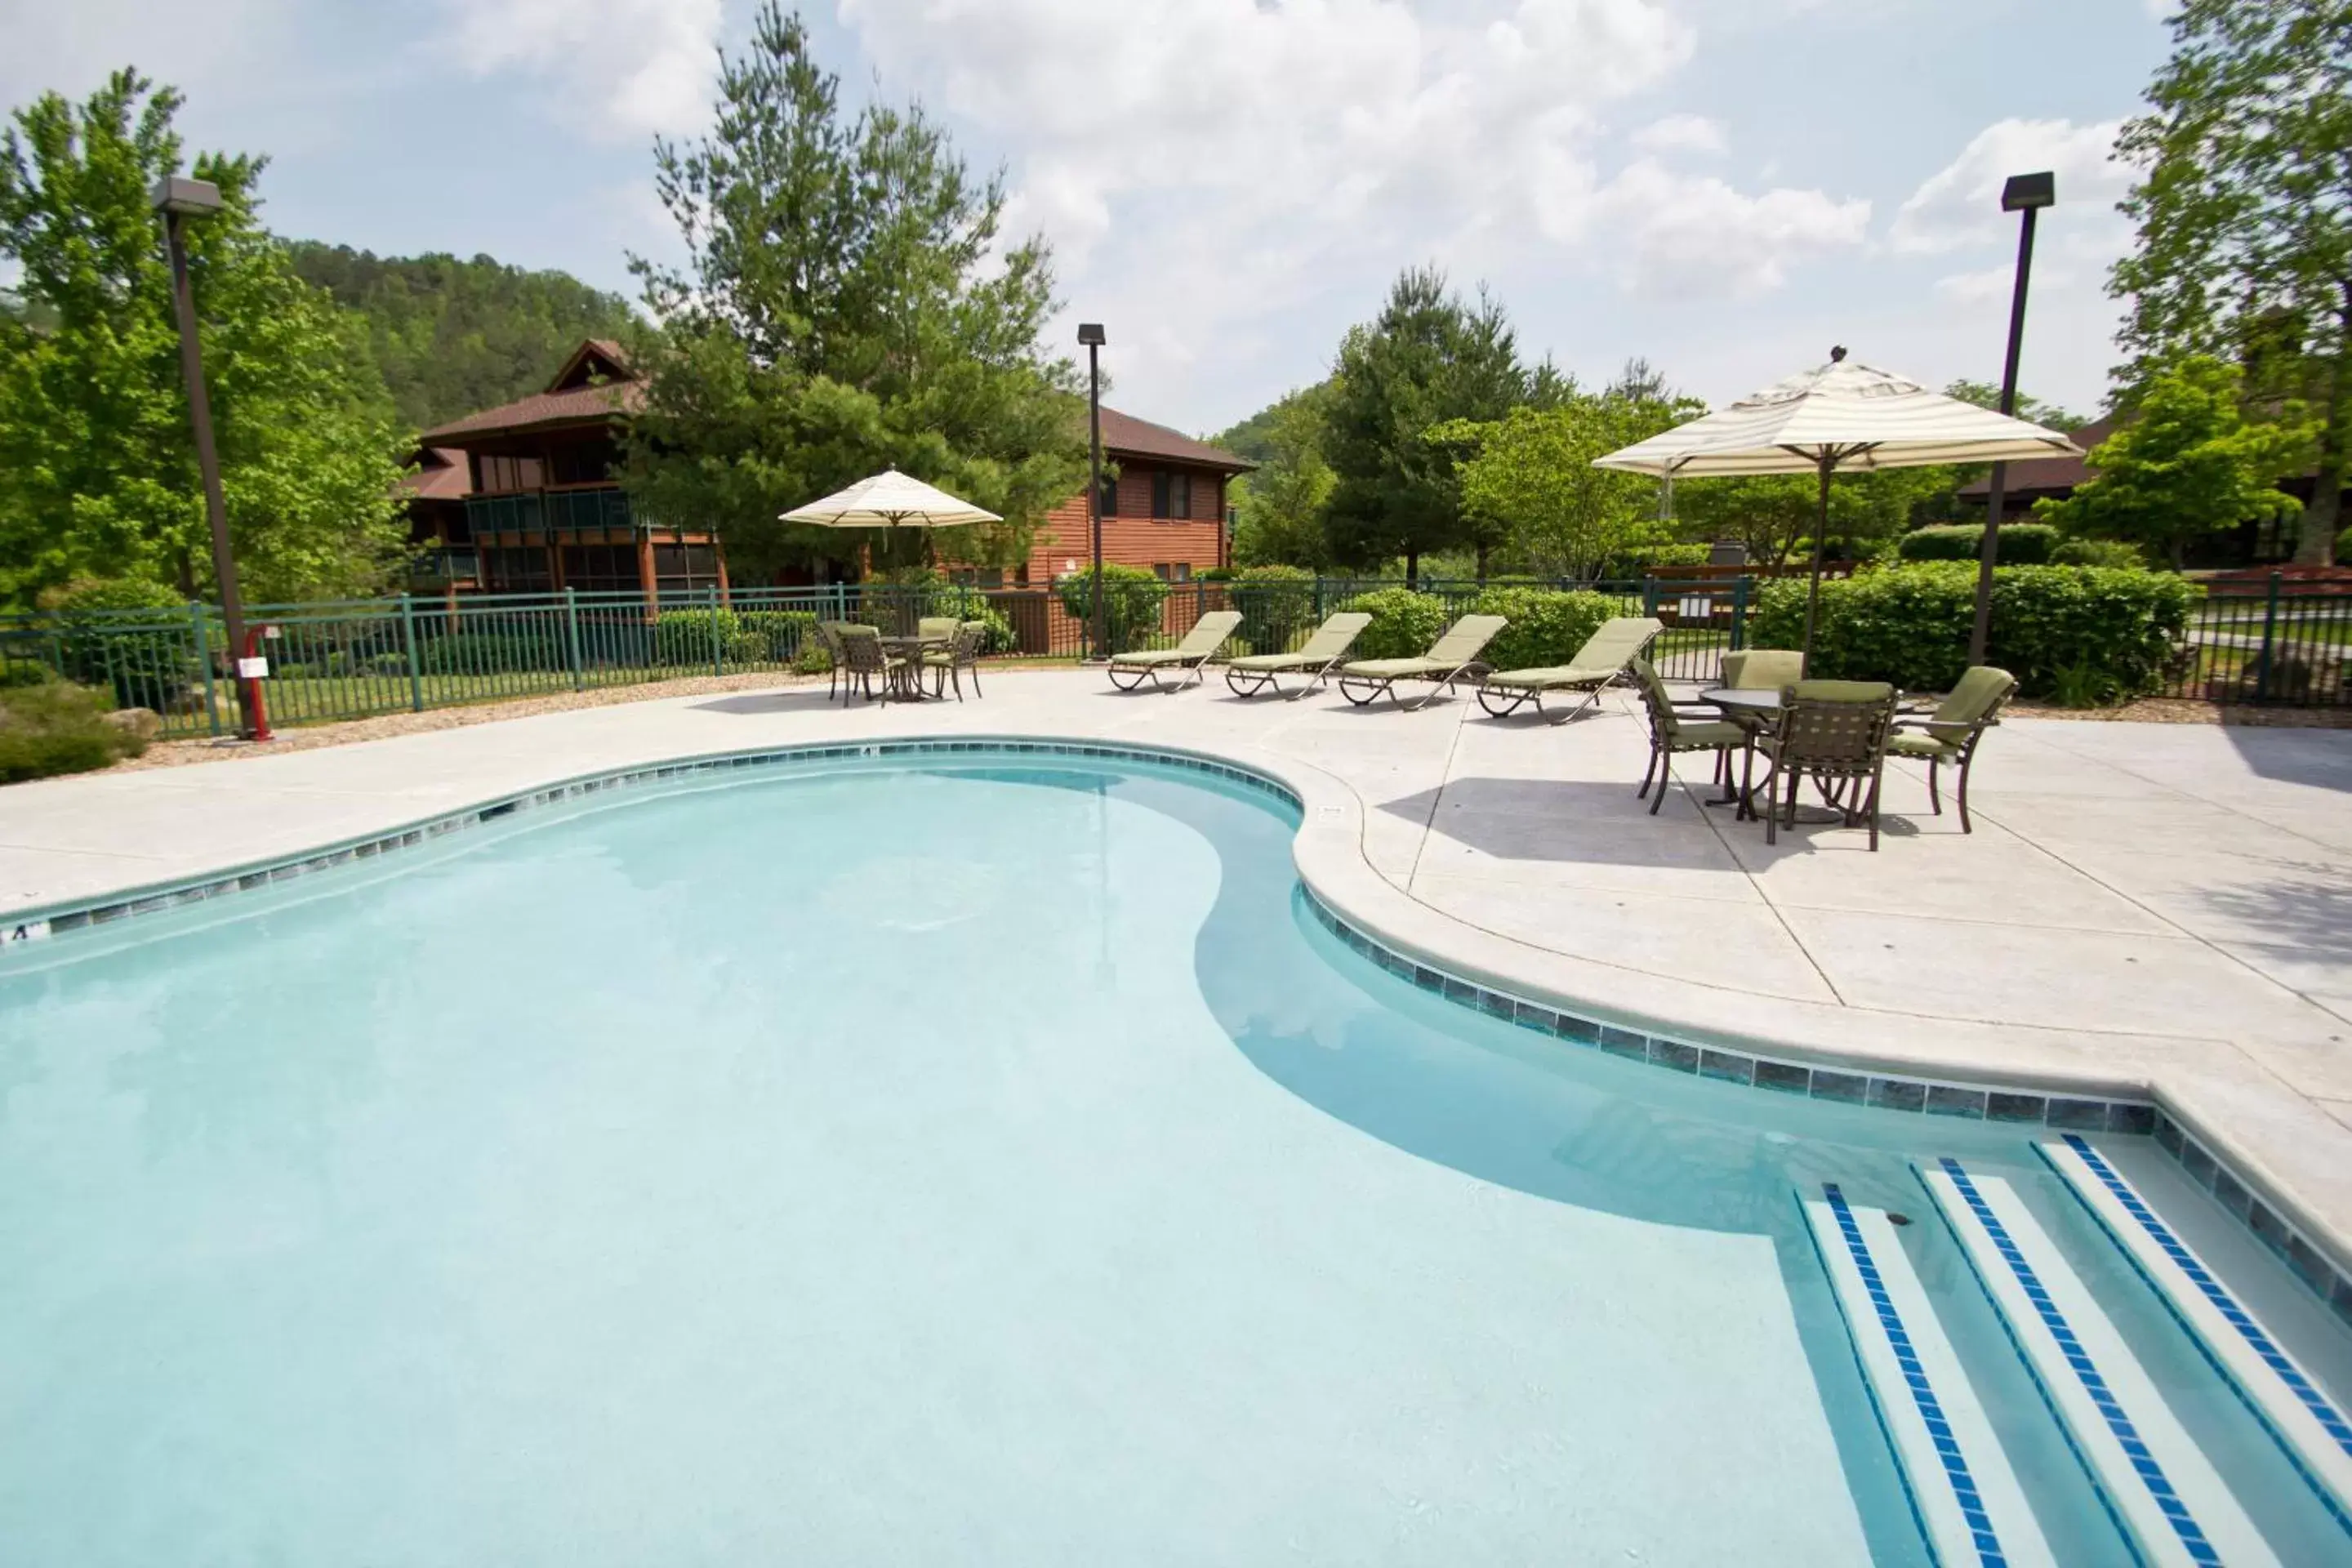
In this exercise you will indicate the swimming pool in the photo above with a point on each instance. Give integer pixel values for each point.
(968, 1159)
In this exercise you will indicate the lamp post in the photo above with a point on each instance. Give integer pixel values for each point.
(177, 200)
(2025, 194)
(1090, 333)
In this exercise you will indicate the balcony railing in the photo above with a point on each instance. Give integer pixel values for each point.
(551, 512)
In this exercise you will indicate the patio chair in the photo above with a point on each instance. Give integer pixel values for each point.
(942, 627)
(863, 658)
(1317, 660)
(1592, 670)
(1675, 730)
(1192, 656)
(1833, 731)
(962, 653)
(1450, 657)
(1953, 732)
(828, 637)
(1763, 669)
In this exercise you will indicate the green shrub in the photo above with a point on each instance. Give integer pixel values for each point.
(494, 652)
(56, 727)
(2098, 552)
(1546, 627)
(1403, 623)
(683, 638)
(1277, 607)
(1910, 624)
(2021, 543)
(1131, 595)
(1645, 558)
(772, 637)
(132, 637)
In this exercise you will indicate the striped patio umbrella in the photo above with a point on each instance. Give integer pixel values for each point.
(1840, 416)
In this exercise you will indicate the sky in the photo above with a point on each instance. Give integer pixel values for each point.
(1723, 188)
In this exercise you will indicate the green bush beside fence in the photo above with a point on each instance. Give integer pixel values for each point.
(1545, 626)
(1131, 601)
(2021, 543)
(1277, 607)
(2057, 629)
(1403, 624)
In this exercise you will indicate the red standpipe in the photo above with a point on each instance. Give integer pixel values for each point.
(253, 701)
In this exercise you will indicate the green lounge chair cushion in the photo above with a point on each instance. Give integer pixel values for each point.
(1275, 662)
(1207, 635)
(1548, 678)
(1398, 669)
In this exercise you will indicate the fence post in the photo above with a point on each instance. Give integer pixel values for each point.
(2270, 631)
(1739, 610)
(408, 642)
(571, 635)
(718, 642)
(203, 634)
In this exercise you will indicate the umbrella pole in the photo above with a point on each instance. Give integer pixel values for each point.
(1813, 593)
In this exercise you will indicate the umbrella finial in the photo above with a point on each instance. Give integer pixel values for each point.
(1837, 353)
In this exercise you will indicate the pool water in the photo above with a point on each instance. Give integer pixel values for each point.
(984, 1162)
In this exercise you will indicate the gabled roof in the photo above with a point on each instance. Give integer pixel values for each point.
(442, 474)
(2047, 473)
(1125, 436)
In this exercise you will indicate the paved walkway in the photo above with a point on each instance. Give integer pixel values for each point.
(2167, 907)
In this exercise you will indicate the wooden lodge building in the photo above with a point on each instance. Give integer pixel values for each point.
(522, 499)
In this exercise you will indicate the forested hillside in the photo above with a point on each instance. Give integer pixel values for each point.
(452, 336)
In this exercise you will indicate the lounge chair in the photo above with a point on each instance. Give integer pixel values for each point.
(1950, 734)
(1673, 730)
(1449, 659)
(1592, 670)
(1252, 673)
(1201, 644)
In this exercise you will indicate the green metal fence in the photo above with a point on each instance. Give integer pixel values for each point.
(2266, 642)
(359, 659)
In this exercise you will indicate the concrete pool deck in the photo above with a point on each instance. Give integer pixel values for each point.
(2142, 909)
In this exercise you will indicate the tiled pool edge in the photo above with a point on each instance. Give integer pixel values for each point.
(1661, 1048)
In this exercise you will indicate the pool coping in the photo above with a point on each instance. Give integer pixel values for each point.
(1350, 900)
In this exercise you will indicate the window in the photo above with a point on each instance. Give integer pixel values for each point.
(1182, 571)
(581, 463)
(517, 571)
(977, 576)
(684, 567)
(601, 568)
(497, 475)
(1172, 495)
(1110, 495)
(1021, 575)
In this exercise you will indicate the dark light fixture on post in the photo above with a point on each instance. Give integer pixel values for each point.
(180, 199)
(1090, 333)
(2025, 194)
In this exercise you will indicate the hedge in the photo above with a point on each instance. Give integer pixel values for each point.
(1403, 623)
(132, 637)
(1277, 607)
(2021, 543)
(56, 727)
(1132, 598)
(2070, 629)
(1546, 626)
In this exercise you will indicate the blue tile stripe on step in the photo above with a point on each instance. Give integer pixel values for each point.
(2119, 1425)
(2329, 1418)
(1915, 1376)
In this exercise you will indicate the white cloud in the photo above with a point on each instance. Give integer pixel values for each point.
(1960, 204)
(1682, 238)
(1680, 133)
(614, 69)
(1211, 171)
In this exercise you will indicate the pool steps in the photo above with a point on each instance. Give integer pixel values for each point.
(2154, 1477)
(2314, 1432)
(1963, 1492)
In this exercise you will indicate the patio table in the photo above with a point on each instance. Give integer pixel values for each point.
(905, 683)
(1761, 704)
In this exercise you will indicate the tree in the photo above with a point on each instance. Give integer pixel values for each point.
(2244, 212)
(1772, 514)
(451, 336)
(97, 471)
(1428, 358)
(1529, 475)
(847, 307)
(1279, 508)
(2029, 408)
(2189, 463)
